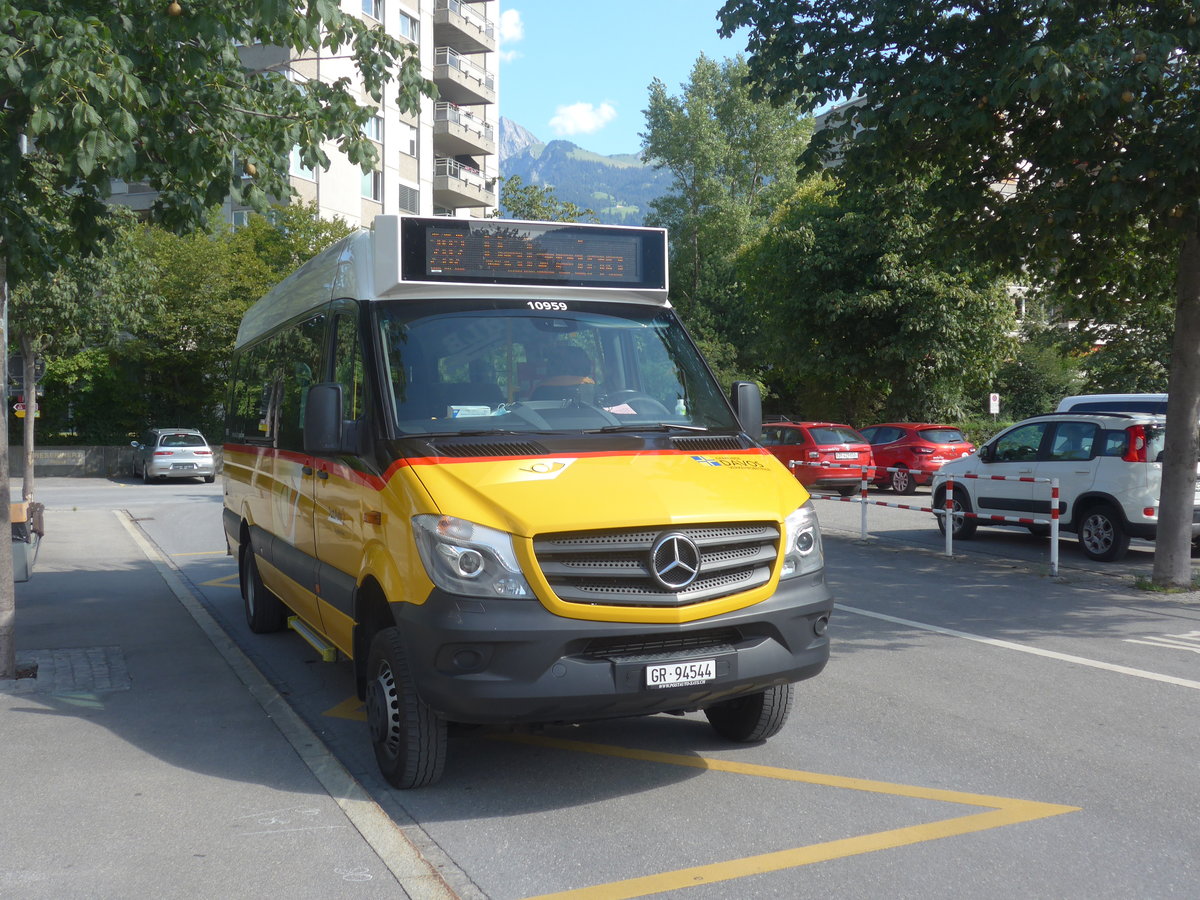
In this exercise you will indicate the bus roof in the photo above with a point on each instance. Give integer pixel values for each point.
(420, 258)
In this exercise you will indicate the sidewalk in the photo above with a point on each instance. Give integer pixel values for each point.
(149, 759)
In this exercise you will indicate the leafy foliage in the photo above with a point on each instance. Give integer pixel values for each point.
(538, 203)
(860, 323)
(732, 160)
(1059, 131)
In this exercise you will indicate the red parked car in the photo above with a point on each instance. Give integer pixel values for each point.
(840, 447)
(915, 450)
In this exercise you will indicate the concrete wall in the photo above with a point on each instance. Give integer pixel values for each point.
(84, 462)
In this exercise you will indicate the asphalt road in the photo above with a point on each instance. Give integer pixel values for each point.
(982, 730)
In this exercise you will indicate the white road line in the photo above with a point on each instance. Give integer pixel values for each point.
(1022, 648)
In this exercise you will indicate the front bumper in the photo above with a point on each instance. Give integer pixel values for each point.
(513, 661)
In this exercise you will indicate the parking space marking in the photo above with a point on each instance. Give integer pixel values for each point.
(226, 581)
(1002, 811)
(1188, 641)
(352, 708)
(1022, 648)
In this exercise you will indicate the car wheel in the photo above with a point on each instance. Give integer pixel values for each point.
(903, 482)
(754, 717)
(209, 479)
(146, 479)
(265, 612)
(408, 737)
(963, 528)
(848, 491)
(1102, 534)
(1039, 530)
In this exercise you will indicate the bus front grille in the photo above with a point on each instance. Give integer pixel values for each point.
(616, 567)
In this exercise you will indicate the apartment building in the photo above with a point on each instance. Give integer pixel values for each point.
(441, 162)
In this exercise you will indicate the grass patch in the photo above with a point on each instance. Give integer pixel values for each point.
(1142, 583)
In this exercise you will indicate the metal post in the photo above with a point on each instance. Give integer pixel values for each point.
(1053, 527)
(949, 520)
(863, 503)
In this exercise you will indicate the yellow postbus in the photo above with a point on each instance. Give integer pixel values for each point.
(484, 461)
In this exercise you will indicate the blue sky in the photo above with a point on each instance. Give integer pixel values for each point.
(580, 70)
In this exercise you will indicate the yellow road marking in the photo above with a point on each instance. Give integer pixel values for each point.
(229, 581)
(1003, 811)
(353, 709)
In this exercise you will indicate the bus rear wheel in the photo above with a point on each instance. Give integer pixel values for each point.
(265, 612)
(408, 737)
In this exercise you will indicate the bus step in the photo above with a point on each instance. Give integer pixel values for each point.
(327, 650)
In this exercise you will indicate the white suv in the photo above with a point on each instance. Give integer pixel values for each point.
(1109, 472)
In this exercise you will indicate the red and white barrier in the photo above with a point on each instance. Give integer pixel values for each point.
(948, 509)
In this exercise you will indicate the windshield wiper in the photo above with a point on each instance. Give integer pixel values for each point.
(652, 426)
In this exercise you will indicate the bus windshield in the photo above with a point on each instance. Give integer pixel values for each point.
(471, 366)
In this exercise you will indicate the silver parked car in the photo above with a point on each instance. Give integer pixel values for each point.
(173, 453)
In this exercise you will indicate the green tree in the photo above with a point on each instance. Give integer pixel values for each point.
(103, 89)
(732, 159)
(1081, 112)
(83, 301)
(537, 203)
(858, 319)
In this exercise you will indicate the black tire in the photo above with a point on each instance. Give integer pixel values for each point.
(265, 612)
(754, 717)
(146, 479)
(408, 737)
(848, 491)
(1102, 534)
(209, 479)
(1039, 530)
(903, 481)
(964, 528)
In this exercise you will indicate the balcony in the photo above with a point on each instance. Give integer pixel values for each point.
(461, 81)
(456, 186)
(457, 132)
(459, 25)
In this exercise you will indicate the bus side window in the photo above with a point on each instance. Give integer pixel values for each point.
(253, 401)
(301, 350)
(348, 367)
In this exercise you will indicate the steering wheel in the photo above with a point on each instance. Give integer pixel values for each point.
(640, 403)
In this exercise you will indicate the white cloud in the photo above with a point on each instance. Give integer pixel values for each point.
(511, 26)
(582, 118)
(512, 29)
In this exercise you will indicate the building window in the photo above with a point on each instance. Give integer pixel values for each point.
(372, 186)
(408, 26)
(373, 8)
(240, 218)
(407, 139)
(410, 199)
(297, 168)
(373, 129)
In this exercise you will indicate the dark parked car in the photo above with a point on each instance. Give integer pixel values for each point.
(915, 450)
(840, 449)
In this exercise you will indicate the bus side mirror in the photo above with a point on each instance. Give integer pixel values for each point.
(323, 419)
(747, 405)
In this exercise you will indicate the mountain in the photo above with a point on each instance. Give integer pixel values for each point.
(618, 188)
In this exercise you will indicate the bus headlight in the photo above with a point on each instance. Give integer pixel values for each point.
(464, 558)
(802, 550)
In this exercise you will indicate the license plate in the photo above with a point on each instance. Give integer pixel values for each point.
(183, 465)
(676, 674)
(845, 454)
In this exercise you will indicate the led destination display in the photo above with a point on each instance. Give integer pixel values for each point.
(498, 252)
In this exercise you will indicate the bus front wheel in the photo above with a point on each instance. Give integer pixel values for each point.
(408, 737)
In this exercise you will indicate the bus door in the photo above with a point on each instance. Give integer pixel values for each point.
(343, 497)
(294, 550)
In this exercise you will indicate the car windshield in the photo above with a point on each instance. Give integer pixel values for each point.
(942, 435)
(836, 434)
(471, 366)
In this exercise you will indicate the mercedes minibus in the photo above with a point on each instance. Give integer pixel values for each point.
(482, 460)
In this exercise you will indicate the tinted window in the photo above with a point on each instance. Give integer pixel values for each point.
(942, 435)
(835, 434)
(1021, 444)
(1143, 406)
(181, 440)
(1073, 441)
